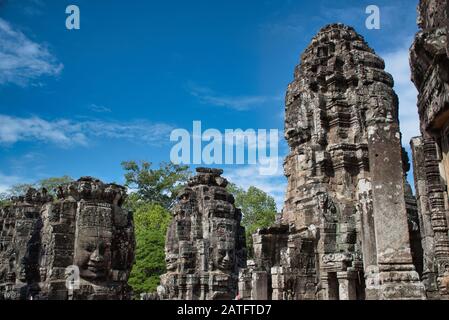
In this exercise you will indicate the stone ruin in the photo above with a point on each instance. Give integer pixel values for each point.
(430, 74)
(345, 230)
(350, 229)
(205, 244)
(79, 246)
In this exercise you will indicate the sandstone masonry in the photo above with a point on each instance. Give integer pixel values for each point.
(85, 229)
(205, 244)
(430, 73)
(345, 230)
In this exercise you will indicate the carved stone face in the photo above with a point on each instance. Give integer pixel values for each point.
(185, 196)
(224, 256)
(171, 261)
(113, 193)
(93, 254)
(322, 200)
(43, 274)
(94, 234)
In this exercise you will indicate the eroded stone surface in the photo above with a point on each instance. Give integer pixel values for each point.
(344, 232)
(430, 73)
(85, 229)
(205, 244)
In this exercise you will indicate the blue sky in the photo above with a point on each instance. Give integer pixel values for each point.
(79, 102)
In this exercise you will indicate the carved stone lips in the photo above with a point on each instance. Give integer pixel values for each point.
(95, 268)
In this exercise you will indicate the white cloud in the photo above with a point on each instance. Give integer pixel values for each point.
(23, 61)
(33, 7)
(66, 133)
(6, 181)
(99, 108)
(275, 185)
(239, 103)
(397, 63)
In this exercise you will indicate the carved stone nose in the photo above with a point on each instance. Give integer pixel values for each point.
(96, 256)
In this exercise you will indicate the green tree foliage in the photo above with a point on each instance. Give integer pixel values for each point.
(50, 184)
(258, 210)
(19, 189)
(155, 185)
(3, 200)
(151, 223)
(153, 193)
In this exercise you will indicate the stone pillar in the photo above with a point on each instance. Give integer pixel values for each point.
(329, 287)
(372, 283)
(368, 238)
(182, 294)
(204, 281)
(190, 280)
(347, 285)
(277, 283)
(437, 204)
(259, 286)
(398, 278)
(425, 216)
(244, 285)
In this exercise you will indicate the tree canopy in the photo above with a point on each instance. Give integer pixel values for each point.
(153, 192)
(3, 199)
(151, 222)
(258, 210)
(155, 185)
(50, 184)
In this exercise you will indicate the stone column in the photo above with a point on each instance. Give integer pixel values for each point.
(182, 288)
(323, 293)
(437, 206)
(244, 285)
(329, 287)
(425, 216)
(368, 238)
(259, 286)
(347, 285)
(398, 278)
(204, 281)
(189, 287)
(277, 283)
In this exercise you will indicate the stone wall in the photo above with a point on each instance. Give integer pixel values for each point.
(84, 235)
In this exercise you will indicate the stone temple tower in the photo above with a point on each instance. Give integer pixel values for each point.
(205, 243)
(344, 231)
